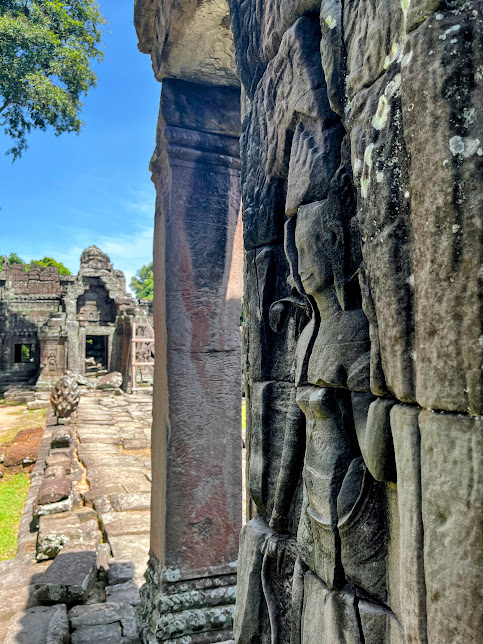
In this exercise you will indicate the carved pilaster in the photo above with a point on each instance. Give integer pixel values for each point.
(196, 449)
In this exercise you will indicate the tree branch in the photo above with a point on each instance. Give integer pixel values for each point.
(5, 105)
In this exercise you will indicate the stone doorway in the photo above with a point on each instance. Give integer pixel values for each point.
(97, 353)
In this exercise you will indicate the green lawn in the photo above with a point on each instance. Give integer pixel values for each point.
(13, 495)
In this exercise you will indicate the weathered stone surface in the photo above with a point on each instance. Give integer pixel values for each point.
(103, 560)
(109, 381)
(40, 625)
(115, 524)
(61, 437)
(54, 489)
(379, 625)
(411, 607)
(452, 488)
(59, 459)
(373, 428)
(251, 617)
(125, 593)
(55, 531)
(120, 572)
(327, 615)
(134, 501)
(23, 450)
(65, 396)
(274, 154)
(192, 42)
(38, 404)
(380, 168)
(361, 153)
(268, 401)
(69, 578)
(271, 329)
(258, 31)
(57, 471)
(103, 478)
(441, 102)
(130, 547)
(135, 443)
(363, 531)
(99, 614)
(104, 634)
(48, 509)
(374, 34)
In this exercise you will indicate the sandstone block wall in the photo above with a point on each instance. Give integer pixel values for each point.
(362, 156)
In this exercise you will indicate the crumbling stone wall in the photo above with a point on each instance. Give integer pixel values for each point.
(53, 314)
(362, 152)
(28, 299)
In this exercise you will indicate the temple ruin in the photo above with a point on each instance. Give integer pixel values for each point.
(361, 162)
(327, 156)
(51, 322)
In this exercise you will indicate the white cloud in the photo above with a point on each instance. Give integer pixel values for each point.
(128, 242)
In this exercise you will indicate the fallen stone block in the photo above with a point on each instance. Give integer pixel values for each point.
(61, 437)
(53, 508)
(97, 595)
(39, 625)
(103, 561)
(102, 614)
(105, 634)
(54, 489)
(56, 531)
(120, 572)
(42, 395)
(110, 381)
(69, 579)
(59, 459)
(127, 593)
(38, 404)
(57, 471)
(66, 451)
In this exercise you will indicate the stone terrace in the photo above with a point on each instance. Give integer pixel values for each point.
(98, 537)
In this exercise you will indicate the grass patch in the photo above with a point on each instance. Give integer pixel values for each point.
(21, 418)
(14, 490)
(9, 403)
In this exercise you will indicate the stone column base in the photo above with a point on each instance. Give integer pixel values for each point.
(194, 608)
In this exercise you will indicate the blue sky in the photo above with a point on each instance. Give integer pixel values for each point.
(69, 192)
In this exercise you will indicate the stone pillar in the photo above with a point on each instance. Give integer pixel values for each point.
(196, 443)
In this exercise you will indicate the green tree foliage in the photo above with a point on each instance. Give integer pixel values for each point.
(13, 258)
(48, 261)
(46, 48)
(143, 283)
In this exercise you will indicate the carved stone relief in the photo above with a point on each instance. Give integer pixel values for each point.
(346, 545)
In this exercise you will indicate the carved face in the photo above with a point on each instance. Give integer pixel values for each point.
(318, 247)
